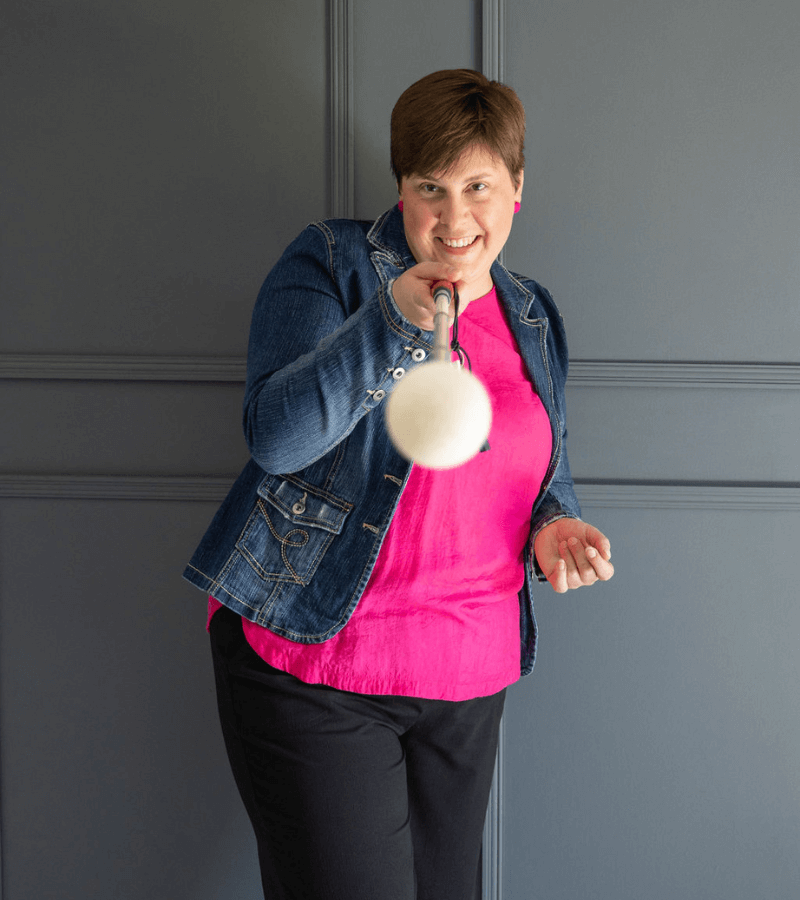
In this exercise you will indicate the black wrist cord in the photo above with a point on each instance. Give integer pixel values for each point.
(460, 352)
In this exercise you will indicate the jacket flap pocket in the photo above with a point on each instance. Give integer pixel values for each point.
(305, 504)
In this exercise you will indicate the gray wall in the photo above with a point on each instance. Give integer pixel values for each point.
(655, 753)
(157, 158)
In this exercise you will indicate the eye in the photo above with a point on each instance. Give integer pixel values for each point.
(479, 186)
(429, 188)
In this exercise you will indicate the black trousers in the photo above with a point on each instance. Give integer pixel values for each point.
(351, 796)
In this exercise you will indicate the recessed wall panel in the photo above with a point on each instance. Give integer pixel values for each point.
(395, 45)
(115, 780)
(157, 159)
(653, 752)
(661, 191)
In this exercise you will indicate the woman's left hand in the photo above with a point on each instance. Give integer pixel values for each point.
(572, 554)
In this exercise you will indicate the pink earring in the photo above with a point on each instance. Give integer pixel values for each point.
(517, 206)
(400, 205)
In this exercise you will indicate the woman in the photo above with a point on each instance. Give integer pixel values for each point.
(367, 615)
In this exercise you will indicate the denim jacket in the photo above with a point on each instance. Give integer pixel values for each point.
(294, 543)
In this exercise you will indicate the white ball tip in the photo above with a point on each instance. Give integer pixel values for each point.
(439, 416)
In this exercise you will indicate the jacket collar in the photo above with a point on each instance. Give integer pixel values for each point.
(388, 237)
(514, 295)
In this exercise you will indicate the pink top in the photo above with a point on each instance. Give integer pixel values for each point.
(440, 615)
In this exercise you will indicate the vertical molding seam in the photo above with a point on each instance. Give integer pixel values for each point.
(493, 39)
(493, 50)
(340, 77)
(492, 857)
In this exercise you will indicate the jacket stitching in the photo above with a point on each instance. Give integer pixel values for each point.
(330, 241)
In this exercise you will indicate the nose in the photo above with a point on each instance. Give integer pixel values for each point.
(453, 209)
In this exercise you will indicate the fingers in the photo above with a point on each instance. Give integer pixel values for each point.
(573, 554)
(580, 565)
(598, 540)
(413, 295)
(436, 271)
(558, 577)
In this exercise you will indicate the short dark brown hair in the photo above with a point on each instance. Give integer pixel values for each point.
(444, 113)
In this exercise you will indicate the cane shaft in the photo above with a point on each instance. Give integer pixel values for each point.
(442, 295)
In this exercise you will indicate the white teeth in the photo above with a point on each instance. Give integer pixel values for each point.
(464, 242)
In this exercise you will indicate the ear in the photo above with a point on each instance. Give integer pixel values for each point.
(520, 180)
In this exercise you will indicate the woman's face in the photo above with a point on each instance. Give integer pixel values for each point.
(462, 217)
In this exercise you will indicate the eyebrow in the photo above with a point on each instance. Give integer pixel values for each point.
(481, 176)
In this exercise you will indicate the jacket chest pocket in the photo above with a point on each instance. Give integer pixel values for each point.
(290, 528)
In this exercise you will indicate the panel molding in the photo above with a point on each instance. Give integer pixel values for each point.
(493, 64)
(733, 497)
(773, 497)
(341, 111)
(492, 858)
(209, 489)
(493, 39)
(109, 367)
(677, 374)
(583, 372)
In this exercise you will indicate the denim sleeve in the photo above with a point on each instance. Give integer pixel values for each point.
(559, 501)
(321, 353)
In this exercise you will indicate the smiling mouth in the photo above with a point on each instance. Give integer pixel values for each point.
(461, 242)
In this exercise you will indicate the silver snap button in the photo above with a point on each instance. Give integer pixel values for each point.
(379, 395)
(418, 355)
(398, 373)
(299, 507)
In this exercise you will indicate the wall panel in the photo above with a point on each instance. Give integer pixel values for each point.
(156, 157)
(654, 752)
(677, 434)
(661, 194)
(394, 45)
(115, 782)
(107, 428)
